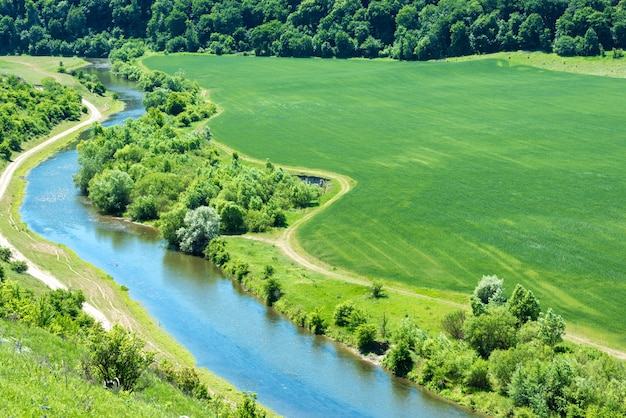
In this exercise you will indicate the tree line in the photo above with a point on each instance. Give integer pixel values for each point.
(28, 111)
(400, 29)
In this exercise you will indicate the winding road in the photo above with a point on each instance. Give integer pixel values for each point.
(5, 178)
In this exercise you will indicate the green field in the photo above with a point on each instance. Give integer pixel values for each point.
(462, 169)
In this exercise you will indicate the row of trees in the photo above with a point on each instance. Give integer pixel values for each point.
(402, 29)
(27, 112)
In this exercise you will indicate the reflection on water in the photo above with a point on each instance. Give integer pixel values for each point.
(230, 333)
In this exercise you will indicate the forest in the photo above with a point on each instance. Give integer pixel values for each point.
(399, 29)
(27, 112)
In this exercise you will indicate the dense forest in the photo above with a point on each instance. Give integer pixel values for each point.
(400, 29)
(27, 111)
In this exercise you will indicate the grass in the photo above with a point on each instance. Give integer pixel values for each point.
(49, 372)
(100, 289)
(483, 166)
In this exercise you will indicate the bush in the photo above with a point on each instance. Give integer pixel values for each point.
(477, 377)
(346, 314)
(365, 336)
(118, 355)
(19, 266)
(495, 329)
(399, 360)
(6, 254)
(271, 290)
(452, 324)
(216, 252)
(315, 322)
(376, 290)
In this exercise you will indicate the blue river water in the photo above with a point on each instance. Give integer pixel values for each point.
(293, 372)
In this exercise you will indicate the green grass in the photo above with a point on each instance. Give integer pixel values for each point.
(51, 382)
(462, 169)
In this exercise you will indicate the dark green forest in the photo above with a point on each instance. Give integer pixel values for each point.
(400, 29)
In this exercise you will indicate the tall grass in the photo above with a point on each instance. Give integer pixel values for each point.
(462, 169)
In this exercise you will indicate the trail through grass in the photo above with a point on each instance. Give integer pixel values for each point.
(462, 169)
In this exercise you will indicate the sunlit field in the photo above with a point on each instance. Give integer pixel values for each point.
(462, 169)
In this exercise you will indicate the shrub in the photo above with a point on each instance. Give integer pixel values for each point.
(118, 355)
(216, 252)
(376, 289)
(348, 315)
(477, 377)
(399, 360)
(19, 266)
(6, 254)
(452, 324)
(271, 290)
(365, 336)
(315, 322)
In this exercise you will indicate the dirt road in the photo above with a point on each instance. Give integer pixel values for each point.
(6, 177)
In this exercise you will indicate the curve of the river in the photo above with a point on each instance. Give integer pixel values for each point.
(293, 372)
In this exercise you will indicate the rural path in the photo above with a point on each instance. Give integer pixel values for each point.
(286, 242)
(5, 178)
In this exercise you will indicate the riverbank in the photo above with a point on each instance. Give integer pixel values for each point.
(58, 262)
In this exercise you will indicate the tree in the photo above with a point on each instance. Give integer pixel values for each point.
(272, 290)
(118, 355)
(452, 324)
(399, 360)
(110, 191)
(523, 305)
(591, 44)
(201, 225)
(488, 292)
(365, 336)
(495, 329)
(551, 327)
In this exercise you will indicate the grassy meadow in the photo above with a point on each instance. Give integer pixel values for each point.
(462, 169)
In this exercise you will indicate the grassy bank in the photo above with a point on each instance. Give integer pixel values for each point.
(62, 263)
(482, 166)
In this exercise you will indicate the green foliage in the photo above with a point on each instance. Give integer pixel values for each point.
(110, 191)
(118, 356)
(27, 112)
(315, 322)
(237, 269)
(477, 376)
(365, 335)
(523, 305)
(216, 252)
(186, 379)
(6, 254)
(495, 329)
(376, 290)
(348, 315)
(200, 226)
(453, 323)
(19, 266)
(489, 290)
(272, 290)
(399, 360)
(248, 408)
(551, 327)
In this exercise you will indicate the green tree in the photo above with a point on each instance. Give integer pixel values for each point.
(495, 329)
(118, 355)
(110, 191)
(452, 324)
(272, 290)
(365, 336)
(551, 327)
(201, 225)
(399, 359)
(523, 305)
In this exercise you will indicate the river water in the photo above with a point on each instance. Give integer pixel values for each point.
(230, 333)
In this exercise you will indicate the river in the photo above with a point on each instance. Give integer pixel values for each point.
(293, 372)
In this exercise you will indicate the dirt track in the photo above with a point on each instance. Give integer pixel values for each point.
(5, 179)
(286, 242)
